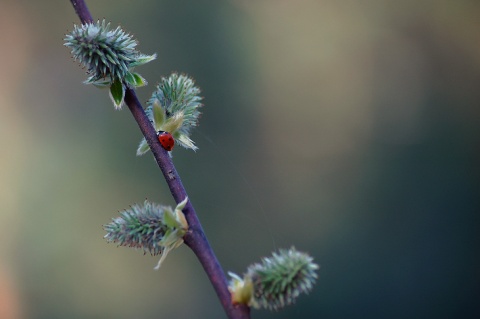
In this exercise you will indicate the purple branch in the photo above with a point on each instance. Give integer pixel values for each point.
(195, 237)
(82, 11)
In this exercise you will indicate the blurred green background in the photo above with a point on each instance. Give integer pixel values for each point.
(349, 129)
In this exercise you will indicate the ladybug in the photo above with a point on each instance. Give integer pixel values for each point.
(166, 139)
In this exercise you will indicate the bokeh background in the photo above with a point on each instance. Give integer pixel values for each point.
(349, 129)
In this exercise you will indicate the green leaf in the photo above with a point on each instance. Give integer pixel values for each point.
(169, 220)
(135, 79)
(143, 147)
(180, 216)
(159, 115)
(102, 84)
(241, 290)
(129, 79)
(117, 93)
(174, 122)
(91, 80)
(180, 206)
(143, 59)
(139, 80)
(186, 142)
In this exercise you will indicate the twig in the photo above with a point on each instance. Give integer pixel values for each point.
(195, 238)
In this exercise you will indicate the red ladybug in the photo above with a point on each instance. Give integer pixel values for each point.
(166, 139)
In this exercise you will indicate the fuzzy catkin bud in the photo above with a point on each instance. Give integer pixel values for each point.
(174, 108)
(151, 227)
(178, 94)
(280, 279)
(109, 56)
(276, 282)
(138, 227)
(104, 52)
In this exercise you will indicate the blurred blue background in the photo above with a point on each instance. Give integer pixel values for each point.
(349, 129)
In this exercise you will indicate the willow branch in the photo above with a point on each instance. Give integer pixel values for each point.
(195, 237)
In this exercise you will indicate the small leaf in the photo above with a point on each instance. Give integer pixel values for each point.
(143, 59)
(129, 79)
(241, 290)
(159, 115)
(139, 80)
(104, 82)
(167, 249)
(186, 142)
(182, 204)
(180, 216)
(169, 219)
(143, 147)
(117, 93)
(174, 123)
(135, 79)
(101, 84)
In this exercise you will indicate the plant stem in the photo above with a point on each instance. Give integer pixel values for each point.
(195, 237)
(82, 11)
